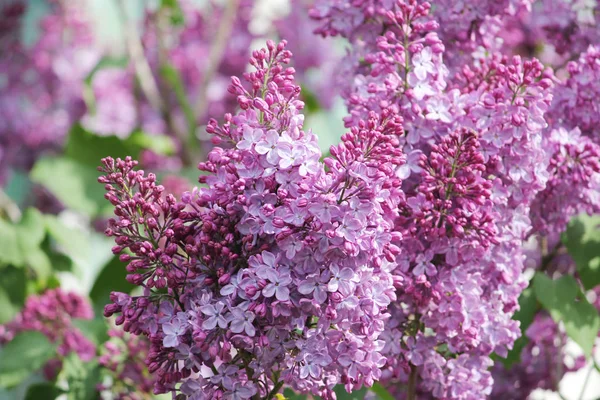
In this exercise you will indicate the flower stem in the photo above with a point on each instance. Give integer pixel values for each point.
(412, 384)
(215, 56)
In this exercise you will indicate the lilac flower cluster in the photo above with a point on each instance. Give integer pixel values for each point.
(575, 104)
(574, 184)
(279, 271)
(51, 313)
(475, 164)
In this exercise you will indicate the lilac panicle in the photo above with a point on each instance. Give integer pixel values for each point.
(51, 314)
(278, 270)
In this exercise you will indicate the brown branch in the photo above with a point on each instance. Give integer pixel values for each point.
(215, 56)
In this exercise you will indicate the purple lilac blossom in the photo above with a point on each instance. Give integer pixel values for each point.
(284, 315)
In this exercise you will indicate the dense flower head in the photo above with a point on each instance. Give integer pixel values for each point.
(575, 102)
(475, 162)
(574, 184)
(278, 271)
(51, 313)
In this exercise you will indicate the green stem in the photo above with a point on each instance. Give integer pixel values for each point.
(275, 390)
(412, 384)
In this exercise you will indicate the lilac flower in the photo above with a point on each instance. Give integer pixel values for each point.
(423, 65)
(214, 312)
(269, 146)
(240, 392)
(340, 280)
(252, 136)
(349, 227)
(313, 284)
(241, 321)
(424, 265)
(312, 365)
(290, 155)
(277, 285)
(173, 330)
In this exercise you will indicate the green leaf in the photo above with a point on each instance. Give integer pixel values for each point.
(528, 308)
(43, 391)
(74, 184)
(289, 394)
(59, 261)
(160, 144)
(176, 14)
(39, 262)
(20, 243)
(71, 240)
(12, 292)
(26, 353)
(31, 229)
(310, 100)
(381, 392)
(83, 378)
(171, 75)
(341, 393)
(88, 148)
(567, 304)
(31, 232)
(110, 279)
(10, 252)
(582, 239)
(96, 330)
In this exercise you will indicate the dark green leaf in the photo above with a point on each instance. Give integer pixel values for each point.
(565, 302)
(88, 149)
(12, 292)
(291, 395)
(110, 279)
(381, 392)
(582, 239)
(310, 100)
(59, 261)
(74, 184)
(26, 353)
(43, 391)
(96, 330)
(341, 393)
